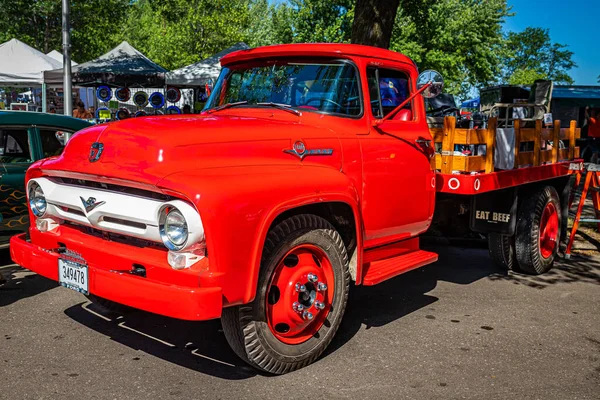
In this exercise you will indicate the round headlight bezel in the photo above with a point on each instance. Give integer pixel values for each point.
(168, 239)
(37, 198)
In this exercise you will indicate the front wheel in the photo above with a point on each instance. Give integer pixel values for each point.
(300, 300)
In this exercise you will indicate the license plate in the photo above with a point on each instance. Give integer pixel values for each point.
(73, 275)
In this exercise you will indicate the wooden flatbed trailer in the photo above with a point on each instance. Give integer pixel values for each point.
(523, 208)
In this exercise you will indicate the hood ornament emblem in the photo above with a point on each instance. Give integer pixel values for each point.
(96, 151)
(299, 150)
(90, 203)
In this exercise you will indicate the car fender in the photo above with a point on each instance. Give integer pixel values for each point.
(238, 206)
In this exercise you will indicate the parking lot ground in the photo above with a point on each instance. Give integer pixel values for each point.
(456, 329)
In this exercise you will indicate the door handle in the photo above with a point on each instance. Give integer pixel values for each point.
(424, 142)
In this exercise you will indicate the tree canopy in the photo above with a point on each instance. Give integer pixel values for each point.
(531, 54)
(95, 25)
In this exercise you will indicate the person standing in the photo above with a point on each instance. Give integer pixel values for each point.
(80, 111)
(593, 123)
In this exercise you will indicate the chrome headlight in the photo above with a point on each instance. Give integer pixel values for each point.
(37, 200)
(173, 228)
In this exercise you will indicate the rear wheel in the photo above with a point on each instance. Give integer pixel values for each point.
(538, 231)
(301, 297)
(502, 251)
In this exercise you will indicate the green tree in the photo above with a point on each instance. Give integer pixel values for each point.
(525, 77)
(175, 33)
(39, 24)
(321, 20)
(462, 39)
(533, 50)
(269, 24)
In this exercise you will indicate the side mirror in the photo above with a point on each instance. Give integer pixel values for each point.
(435, 81)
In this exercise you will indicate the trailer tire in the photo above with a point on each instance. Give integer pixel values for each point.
(538, 230)
(270, 333)
(502, 251)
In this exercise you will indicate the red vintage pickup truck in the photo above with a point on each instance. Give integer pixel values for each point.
(311, 168)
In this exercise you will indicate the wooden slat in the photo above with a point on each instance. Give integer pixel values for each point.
(463, 164)
(529, 135)
(517, 142)
(537, 143)
(572, 129)
(525, 158)
(437, 134)
(555, 140)
(448, 144)
(546, 156)
(490, 145)
(461, 136)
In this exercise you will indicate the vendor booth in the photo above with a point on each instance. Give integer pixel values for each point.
(201, 76)
(118, 78)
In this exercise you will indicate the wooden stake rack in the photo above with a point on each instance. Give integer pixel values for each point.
(448, 137)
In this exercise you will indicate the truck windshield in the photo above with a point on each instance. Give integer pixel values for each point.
(330, 87)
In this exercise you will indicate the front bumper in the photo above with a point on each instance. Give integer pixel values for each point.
(164, 291)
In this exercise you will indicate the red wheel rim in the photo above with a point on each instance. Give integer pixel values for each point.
(300, 294)
(548, 230)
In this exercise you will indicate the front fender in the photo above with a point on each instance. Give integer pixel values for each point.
(238, 205)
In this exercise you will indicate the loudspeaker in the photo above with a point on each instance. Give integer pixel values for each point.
(140, 99)
(122, 113)
(104, 93)
(173, 110)
(157, 100)
(123, 94)
(173, 95)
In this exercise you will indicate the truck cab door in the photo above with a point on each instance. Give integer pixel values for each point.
(399, 183)
(16, 144)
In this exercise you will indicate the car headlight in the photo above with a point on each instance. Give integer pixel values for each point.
(173, 228)
(37, 200)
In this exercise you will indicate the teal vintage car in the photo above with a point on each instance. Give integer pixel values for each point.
(26, 137)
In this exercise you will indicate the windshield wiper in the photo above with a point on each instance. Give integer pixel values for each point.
(224, 106)
(283, 107)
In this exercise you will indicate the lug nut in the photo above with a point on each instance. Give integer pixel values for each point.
(308, 316)
(298, 307)
(319, 305)
(300, 288)
(321, 287)
(312, 277)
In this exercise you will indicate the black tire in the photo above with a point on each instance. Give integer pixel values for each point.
(246, 327)
(502, 251)
(109, 306)
(527, 239)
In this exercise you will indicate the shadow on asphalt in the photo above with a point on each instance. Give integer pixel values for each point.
(578, 269)
(201, 346)
(20, 283)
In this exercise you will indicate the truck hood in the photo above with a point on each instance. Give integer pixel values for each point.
(146, 150)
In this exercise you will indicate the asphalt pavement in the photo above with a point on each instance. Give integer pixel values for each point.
(457, 329)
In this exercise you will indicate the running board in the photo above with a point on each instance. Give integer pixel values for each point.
(378, 271)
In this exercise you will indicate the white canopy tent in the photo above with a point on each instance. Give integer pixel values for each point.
(202, 72)
(22, 66)
(59, 57)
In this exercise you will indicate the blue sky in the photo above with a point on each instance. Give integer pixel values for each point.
(575, 23)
